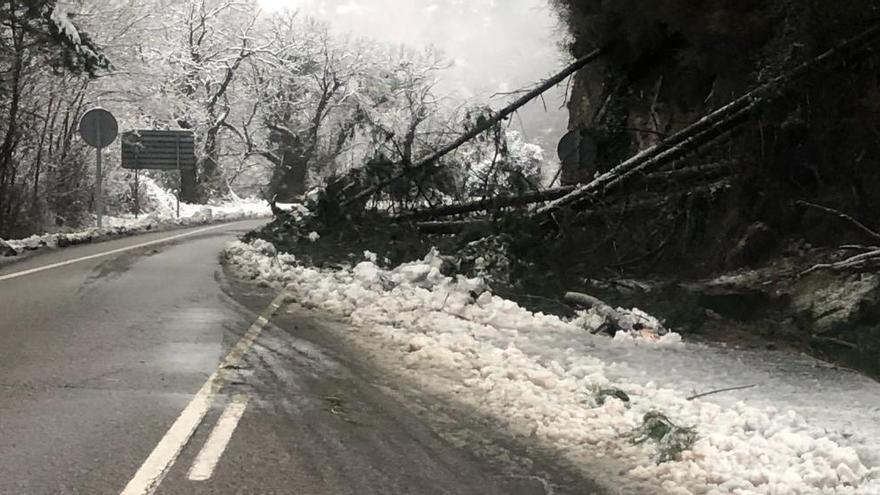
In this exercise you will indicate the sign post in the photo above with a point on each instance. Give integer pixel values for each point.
(137, 195)
(98, 129)
(179, 177)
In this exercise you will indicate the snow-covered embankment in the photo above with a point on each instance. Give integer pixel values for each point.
(163, 215)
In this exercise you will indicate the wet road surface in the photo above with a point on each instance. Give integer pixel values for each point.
(145, 371)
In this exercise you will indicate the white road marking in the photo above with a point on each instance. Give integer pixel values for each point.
(106, 253)
(207, 460)
(154, 469)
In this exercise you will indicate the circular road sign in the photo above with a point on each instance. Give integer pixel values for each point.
(577, 149)
(98, 128)
(567, 150)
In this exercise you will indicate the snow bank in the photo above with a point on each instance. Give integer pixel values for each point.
(164, 215)
(537, 375)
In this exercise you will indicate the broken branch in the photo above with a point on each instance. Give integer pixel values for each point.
(843, 216)
(729, 389)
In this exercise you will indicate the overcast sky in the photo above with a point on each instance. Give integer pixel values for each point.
(495, 45)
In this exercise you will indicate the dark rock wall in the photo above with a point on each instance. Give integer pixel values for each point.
(731, 258)
(671, 61)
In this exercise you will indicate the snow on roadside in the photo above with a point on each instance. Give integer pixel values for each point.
(164, 215)
(535, 373)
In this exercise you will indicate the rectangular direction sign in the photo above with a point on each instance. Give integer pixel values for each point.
(158, 150)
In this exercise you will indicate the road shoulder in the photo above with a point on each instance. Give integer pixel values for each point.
(505, 464)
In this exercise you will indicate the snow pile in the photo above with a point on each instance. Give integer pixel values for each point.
(538, 376)
(164, 205)
(164, 215)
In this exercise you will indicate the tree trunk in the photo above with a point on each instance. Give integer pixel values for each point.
(486, 204)
(10, 139)
(189, 185)
(189, 177)
(209, 171)
(289, 178)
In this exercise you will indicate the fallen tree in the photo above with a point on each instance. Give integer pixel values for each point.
(615, 319)
(481, 127)
(715, 125)
(868, 259)
(713, 129)
(503, 201)
(708, 171)
(645, 167)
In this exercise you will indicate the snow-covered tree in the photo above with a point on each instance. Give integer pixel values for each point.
(46, 62)
(305, 87)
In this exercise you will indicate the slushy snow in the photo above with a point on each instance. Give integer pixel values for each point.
(535, 374)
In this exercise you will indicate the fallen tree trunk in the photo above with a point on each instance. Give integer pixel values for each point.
(615, 319)
(875, 236)
(654, 202)
(676, 146)
(709, 171)
(483, 126)
(710, 127)
(452, 227)
(713, 136)
(486, 204)
(587, 301)
(864, 261)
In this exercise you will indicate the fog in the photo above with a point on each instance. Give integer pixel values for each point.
(494, 46)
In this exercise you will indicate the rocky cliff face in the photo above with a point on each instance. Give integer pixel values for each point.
(668, 63)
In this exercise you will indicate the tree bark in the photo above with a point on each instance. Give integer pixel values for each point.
(188, 177)
(209, 172)
(288, 179)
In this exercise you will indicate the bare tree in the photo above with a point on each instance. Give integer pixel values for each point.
(214, 51)
(305, 90)
(46, 63)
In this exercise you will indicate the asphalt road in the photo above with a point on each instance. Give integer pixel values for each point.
(128, 368)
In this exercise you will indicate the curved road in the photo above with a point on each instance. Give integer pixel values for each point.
(133, 367)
